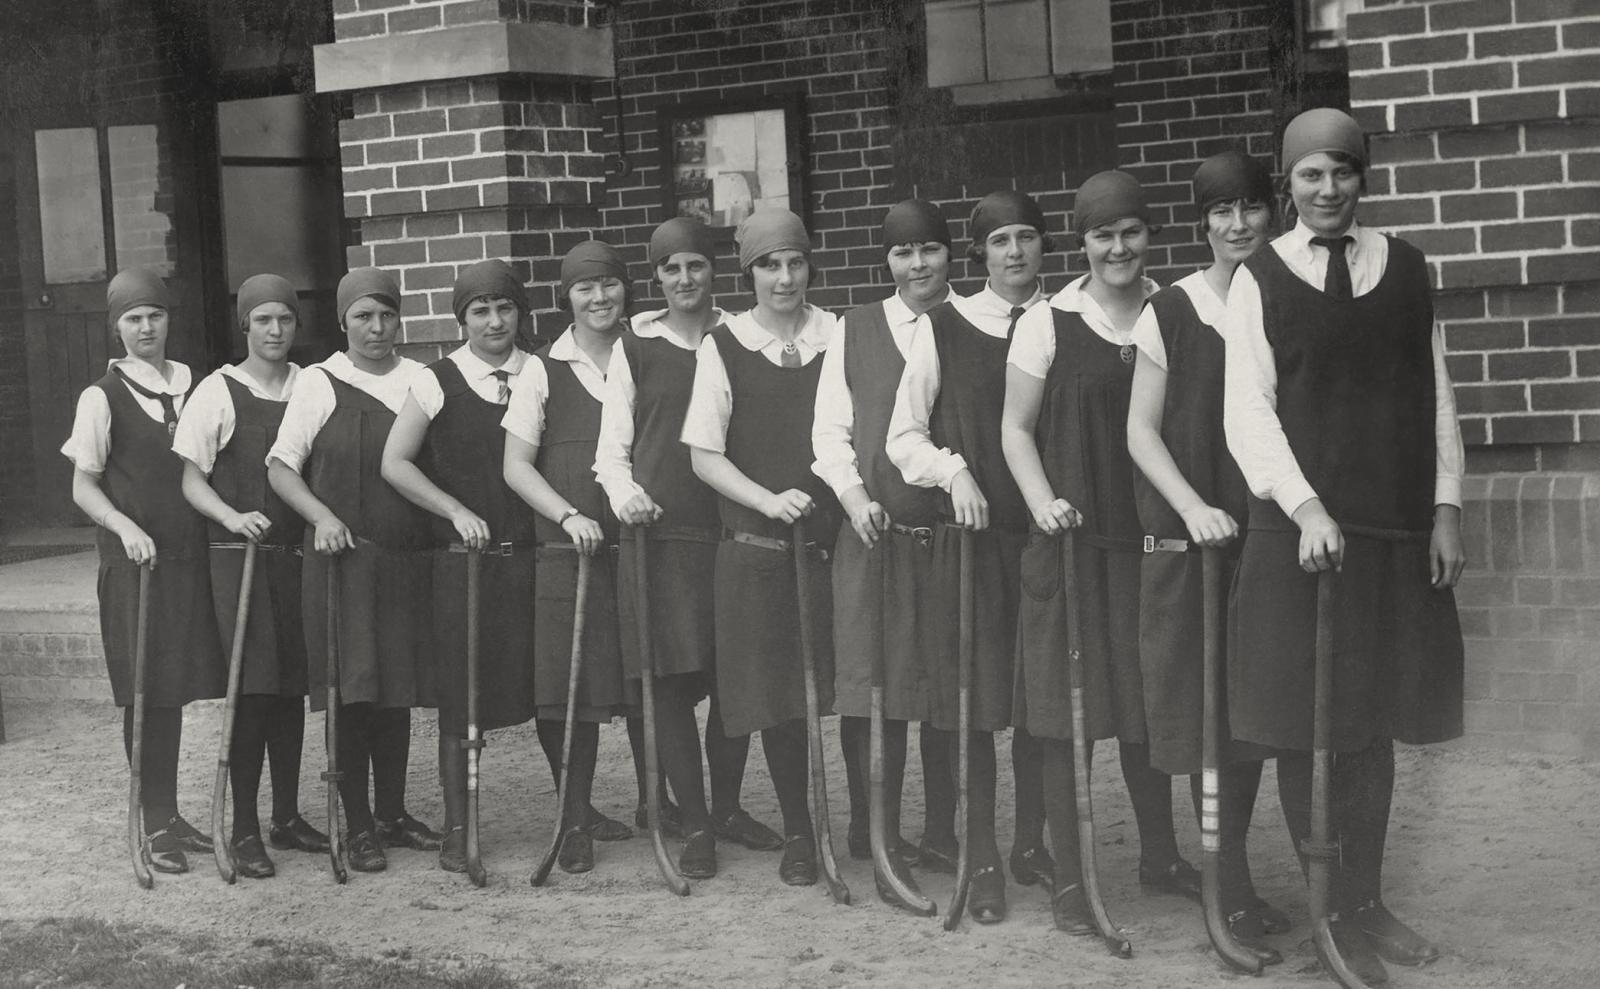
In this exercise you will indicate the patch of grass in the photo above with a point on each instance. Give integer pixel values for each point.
(84, 953)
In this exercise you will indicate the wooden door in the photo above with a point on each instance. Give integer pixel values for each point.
(94, 196)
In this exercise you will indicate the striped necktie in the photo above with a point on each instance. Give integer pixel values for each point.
(504, 377)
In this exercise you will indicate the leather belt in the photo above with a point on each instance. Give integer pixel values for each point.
(1117, 544)
(672, 533)
(493, 549)
(574, 546)
(923, 534)
(1154, 545)
(262, 547)
(778, 545)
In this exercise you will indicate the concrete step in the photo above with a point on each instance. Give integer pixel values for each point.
(50, 630)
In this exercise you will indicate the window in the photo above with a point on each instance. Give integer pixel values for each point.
(1000, 50)
(1322, 22)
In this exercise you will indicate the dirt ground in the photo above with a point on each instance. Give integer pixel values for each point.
(1496, 856)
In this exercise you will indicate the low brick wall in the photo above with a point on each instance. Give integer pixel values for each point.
(1530, 612)
(52, 655)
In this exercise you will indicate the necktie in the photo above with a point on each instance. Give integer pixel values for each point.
(791, 355)
(1337, 282)
(1016, 314)
(169, 408)
(504, 377)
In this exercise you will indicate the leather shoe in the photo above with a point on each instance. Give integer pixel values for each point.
(453, 850)
(858, 839)
(986, 900)
(577, 851)
(1069, 909)
(1248, 930)
(1033, 867)
(1179, 878)
(406, 831)
(938, 854)
(671, 819)
(603, 828)
(250, 858)
(886, 892)
(1391, 939)
(699, 857)
(296, 835)
(798, 866)
(366, 854)
(1273, 920)
(907, 855)
(189, 838)
(166, 853)
(742, 829)
(1356, 950)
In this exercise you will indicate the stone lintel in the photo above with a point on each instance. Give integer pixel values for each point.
(466, 52)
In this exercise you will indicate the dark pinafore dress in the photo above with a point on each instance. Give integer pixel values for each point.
(385, 585)
(759, 680)
(966, 420)
(879, 594)
(1082, 441)
(682, 559)
(463, 455)
(1171, 585)
(1356, 401)
(144, 479)
(566, 460)
(275, 643)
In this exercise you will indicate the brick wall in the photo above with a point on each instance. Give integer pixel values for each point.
(16, 441)
(1192, 80)
(1486, 124)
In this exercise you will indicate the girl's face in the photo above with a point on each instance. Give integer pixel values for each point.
(1116, 251)
(1326, 192)
(685, 280)
(1236, 228)
(143, 330)
(491, 325)
(921, 272)
(269, 331)
(597, 303)
(371, 327)
(1013, 255)
(780, 279)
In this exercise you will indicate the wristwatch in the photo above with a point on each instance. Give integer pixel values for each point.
(569, 513)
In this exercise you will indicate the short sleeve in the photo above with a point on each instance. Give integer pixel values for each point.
(206, 425)
(428, 392)
(705, 425)
(1147, 337)
(308, 411)
(89, 443)
(524, 417)
(1033, 346)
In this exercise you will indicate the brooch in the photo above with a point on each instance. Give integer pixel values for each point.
(1127, 353)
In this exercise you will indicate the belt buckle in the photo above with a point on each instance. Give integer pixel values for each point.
(817, 552)
(499, 549)
(1149, 544)
(923, 535)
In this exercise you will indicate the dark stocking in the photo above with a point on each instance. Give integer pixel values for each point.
(453, 779)
(678, 739)
(1150, 791)
(246, 752)
(785, 746)
(1028, 771)
(938, 782)
(355, 758)
(158, 774)
(894, 778)
(1237, 784)
(550, 731)
(725, 759)
(390, 740)
(1061, 808)
(1362, 790)
(854, 737)
(286, 737)
(981, 775)
(580, 781)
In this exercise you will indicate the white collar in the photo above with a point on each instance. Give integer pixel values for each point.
(1208, 305)
(897, 312)
(475, 368)
(652, 325)
(1298, 239)
(239, 374)
(1075, 298)
(753, 336)
(566, 349)
(147, 377)
(990, 299)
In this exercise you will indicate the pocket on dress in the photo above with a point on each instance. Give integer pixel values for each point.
(1041, 567)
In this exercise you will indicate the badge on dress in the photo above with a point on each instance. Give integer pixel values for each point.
(1127, 353)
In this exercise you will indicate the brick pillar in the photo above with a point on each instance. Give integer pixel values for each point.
(483, 140)
(1191, 80)
(1485, 124)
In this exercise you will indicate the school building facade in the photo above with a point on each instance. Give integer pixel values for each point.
(222, 138)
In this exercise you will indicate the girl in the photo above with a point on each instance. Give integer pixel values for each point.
(451, 424)
(128, 481)
(553, 423)
(885, 546)
(749, 431)
(652, 488)
(325, 465)
(1191, 495)
(223, 437)
(1338, 408)
(1066, 415)
(945, 432)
